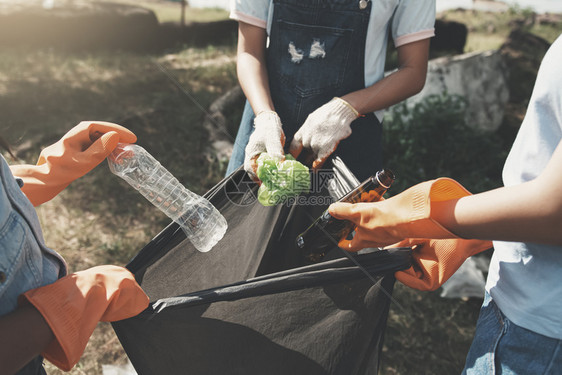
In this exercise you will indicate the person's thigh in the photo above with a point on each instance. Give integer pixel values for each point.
(501, 347)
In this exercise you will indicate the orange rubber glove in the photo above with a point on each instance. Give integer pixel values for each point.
(435, 261)
(406, 220)
(406, 215)
(73, 305)
(75, 154)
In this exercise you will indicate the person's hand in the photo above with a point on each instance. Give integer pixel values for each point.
(73, 305)
(75, 154)
(435, 261)
(323, 130)
(409, 214)
(267, 137)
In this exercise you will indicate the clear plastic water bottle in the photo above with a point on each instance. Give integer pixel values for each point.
(202, 223)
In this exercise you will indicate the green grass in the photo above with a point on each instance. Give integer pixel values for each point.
(488, 30)
(427, 334)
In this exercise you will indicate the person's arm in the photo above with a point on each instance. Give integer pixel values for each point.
(268, 135)
(442, 208)
(251, 67)
(57, 320)
(328, 125)
(529, 212)
(25, 334)
(408, 80)
(437, 217)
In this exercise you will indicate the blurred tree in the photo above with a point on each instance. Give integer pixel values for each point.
(184, 5)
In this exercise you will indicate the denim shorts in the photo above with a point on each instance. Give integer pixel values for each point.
(501, 347)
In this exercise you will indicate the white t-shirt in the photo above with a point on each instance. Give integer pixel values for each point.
(525, 279)
(408, 21)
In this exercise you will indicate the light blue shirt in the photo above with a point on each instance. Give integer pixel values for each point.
(525, 279)
(407, 20)
(25, 261)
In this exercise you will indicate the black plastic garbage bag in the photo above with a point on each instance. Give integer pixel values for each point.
(254, 304)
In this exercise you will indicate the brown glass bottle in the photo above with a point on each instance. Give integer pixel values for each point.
(326, 231)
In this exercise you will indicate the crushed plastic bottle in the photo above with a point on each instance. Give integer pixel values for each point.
(202, 223)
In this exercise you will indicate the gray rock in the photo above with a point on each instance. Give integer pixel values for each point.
(481, 78)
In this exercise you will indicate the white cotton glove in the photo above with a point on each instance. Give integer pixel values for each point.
(267, 137)
(324, 129)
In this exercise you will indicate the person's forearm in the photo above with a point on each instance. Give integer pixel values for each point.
(516, 213)
(25, 334)
(408, 80)
(251, 67)
(529, 212)
(253, 80)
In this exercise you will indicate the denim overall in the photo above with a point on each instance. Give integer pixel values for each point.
(316, 52)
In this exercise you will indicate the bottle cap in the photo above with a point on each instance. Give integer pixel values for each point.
(385, 178)
(122, 150)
